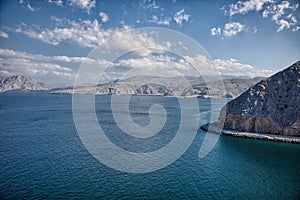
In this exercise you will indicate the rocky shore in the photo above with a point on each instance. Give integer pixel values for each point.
(214, 128)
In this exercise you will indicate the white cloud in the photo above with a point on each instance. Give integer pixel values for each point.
(158, 21)
(281, 12)
(57, 2)
(86, 5)
(89, 34)
(229, 29)
(215, 31)
(4, 35)
(7, 53)
(168, 66)
(243, 7)
(228, 67)
(254, 29)
(181, 16)
(233, 28)
(53, 70)
(39, 69)
(296, 28)
(28, 6)
(61, 70)
(104, 17)
(86, 33)
(149, 4)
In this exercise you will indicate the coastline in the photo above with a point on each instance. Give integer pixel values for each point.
(250, 135)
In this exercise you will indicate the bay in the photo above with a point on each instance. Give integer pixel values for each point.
(42, 156)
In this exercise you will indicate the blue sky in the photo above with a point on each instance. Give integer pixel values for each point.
(47, 40)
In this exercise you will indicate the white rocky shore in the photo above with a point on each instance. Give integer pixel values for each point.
(213, 128)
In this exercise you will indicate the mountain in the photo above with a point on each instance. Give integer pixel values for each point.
(139, 85)
(17, 82)
(271, 106)
(174, 86)
(233, 88)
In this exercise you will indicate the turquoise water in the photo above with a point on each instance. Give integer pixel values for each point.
(41, 156)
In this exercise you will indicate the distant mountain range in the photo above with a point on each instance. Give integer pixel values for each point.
(21, 83)
(176, 86)
(143, 85)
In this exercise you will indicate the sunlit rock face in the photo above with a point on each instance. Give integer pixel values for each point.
(270, 106)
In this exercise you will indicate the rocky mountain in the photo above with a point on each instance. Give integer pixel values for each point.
(175, 86)
(18, 82)
(233, 88)
(271, 106)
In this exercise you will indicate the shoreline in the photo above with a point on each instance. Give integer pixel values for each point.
(250, 135)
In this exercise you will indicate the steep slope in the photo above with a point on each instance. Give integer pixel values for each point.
(270, 106)
(20, 83)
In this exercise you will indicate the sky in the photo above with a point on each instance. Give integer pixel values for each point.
(48, 40)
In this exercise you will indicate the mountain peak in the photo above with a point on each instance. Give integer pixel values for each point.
(19, 82)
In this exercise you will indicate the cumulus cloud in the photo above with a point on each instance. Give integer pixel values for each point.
(230, 66)
(86, 5)
(233, 28)
(4, 35)
(181, 16)
(89, 34)
(104, 17)
(281, 12)
(243, 7)
(169, 66)
(158, 21)
(283, 15)
(229, 29)
(215, 31)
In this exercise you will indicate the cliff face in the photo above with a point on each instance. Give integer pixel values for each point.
(20, 83)
(270, 106)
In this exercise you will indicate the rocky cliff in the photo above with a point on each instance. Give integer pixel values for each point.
(270, 106)
(20, 83)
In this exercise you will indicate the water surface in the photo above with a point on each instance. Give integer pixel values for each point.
(41, 156)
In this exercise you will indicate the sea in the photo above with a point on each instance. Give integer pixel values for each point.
(42, 155)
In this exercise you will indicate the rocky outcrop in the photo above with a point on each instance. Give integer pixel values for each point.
(20, 83)
(270, 106)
